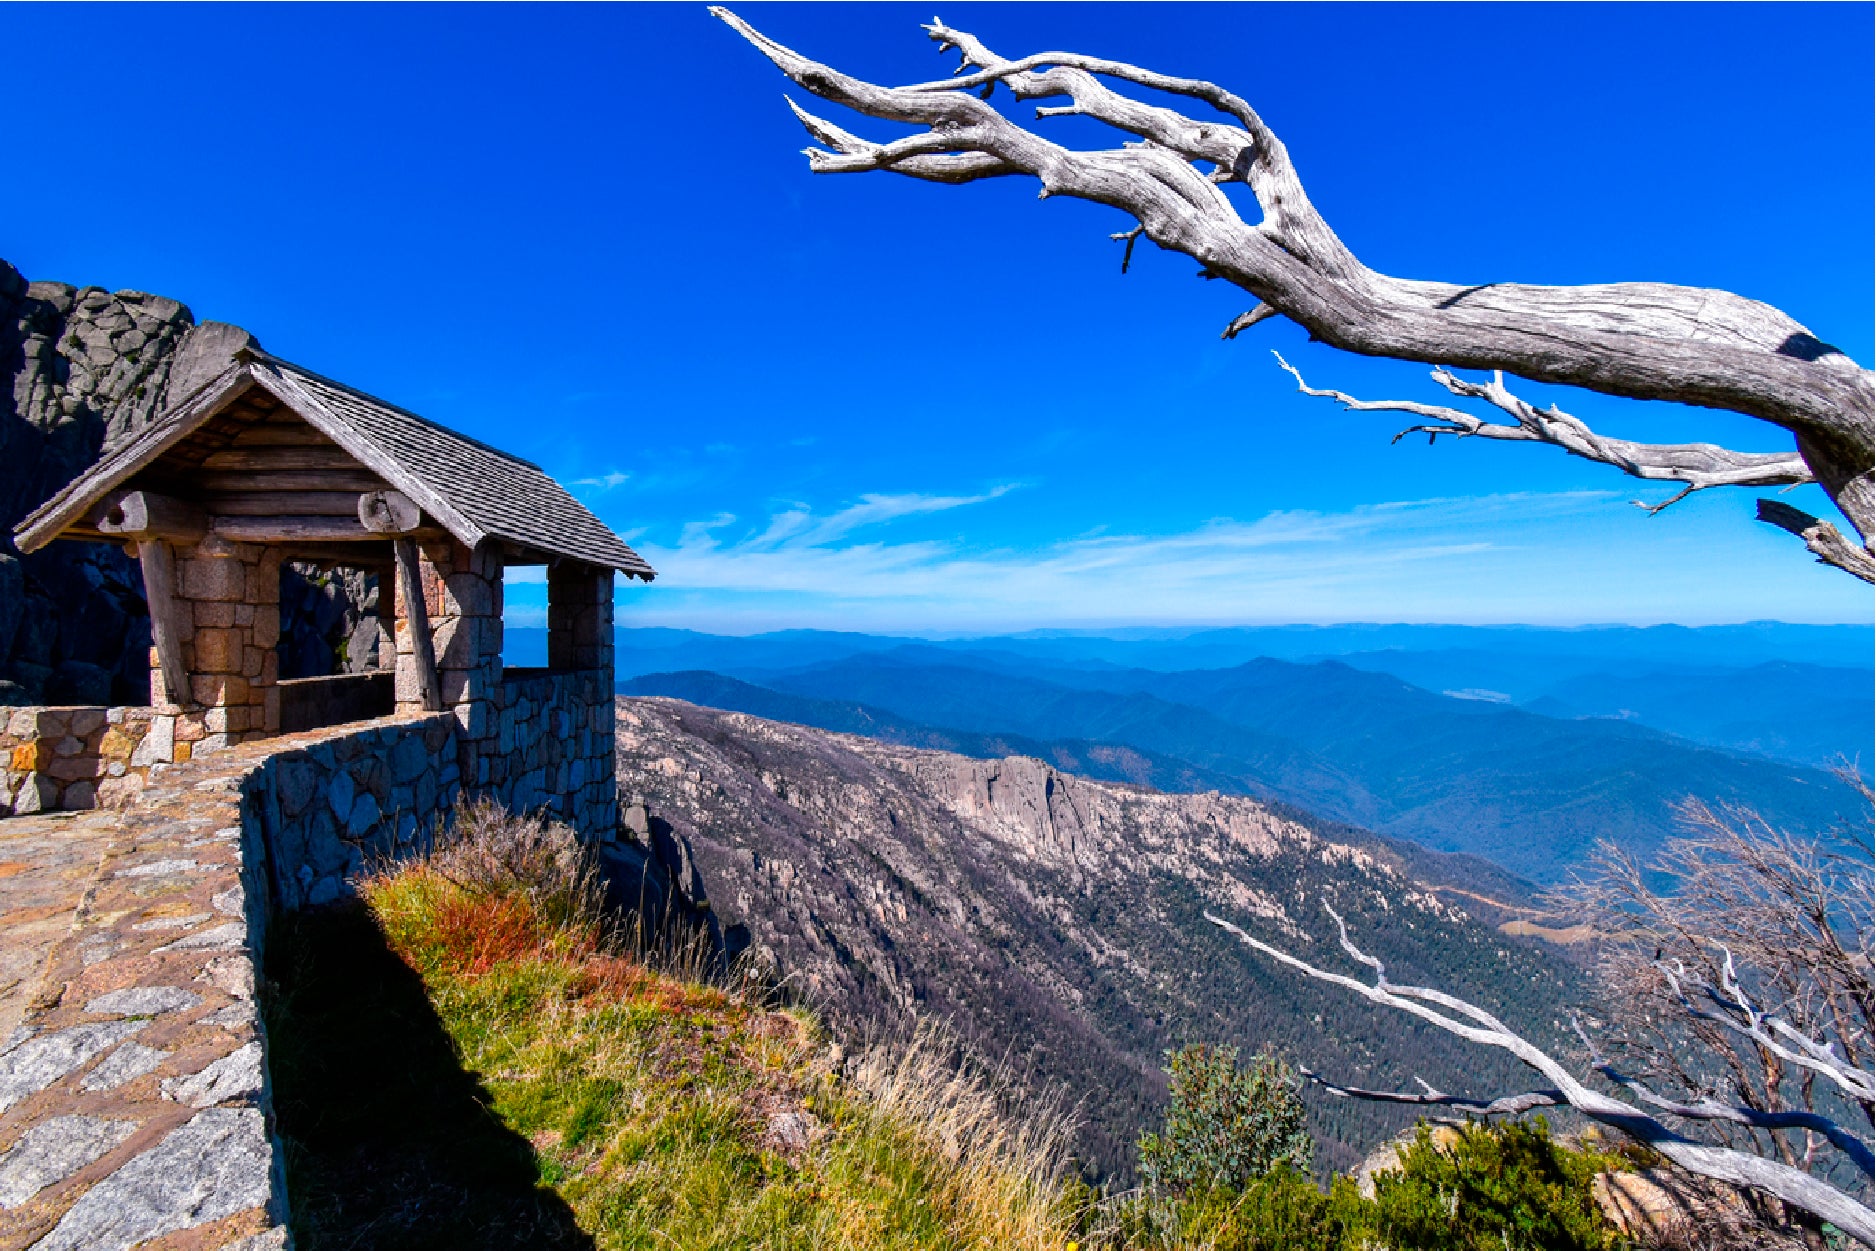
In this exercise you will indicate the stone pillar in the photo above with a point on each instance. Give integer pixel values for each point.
(228, 605)
(463, 599)
(579, 646)
(579, 617)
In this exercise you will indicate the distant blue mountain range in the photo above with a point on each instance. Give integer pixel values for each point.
(1524, 746)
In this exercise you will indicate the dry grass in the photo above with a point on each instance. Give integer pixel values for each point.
(665, 1111)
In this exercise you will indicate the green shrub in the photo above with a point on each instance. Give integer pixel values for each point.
(1226, 1126)
(1280, 1211)
(1506, 1187)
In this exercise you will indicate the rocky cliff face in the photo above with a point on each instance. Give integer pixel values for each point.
(1055, 920)
(80, 369)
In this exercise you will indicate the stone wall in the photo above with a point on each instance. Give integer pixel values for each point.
(134, 1101)
(57, 759)
(356, 797)
(312, 703)
(530, 738)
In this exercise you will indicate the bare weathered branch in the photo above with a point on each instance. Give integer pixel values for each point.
(1824, 540)
(1504, 1105)
(1651, 341)
(1707, 1108)
(1793, 1185)
(1739, 1014)
(1698, 466)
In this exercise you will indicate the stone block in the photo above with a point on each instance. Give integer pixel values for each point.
(470, 595)
(324, 852)
(266, 625)
(28, 757)
(424, 793)
(37, 793)
(212, 690)
(157, 745)
(218, 651)
(213, 614)
(183, 754)
(340, 792)
(88, 721)
(405, 686)
(253, 663)
(71, 768)
(294, 783)
(79, 796)
(409, 759)
(212, 579)
(363, 818)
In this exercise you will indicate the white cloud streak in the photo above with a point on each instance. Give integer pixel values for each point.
(1375, 560)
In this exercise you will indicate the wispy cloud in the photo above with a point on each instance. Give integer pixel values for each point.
(610, 480)
(797, 527)
(1380, 559)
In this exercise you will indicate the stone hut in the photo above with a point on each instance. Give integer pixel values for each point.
(269, 463)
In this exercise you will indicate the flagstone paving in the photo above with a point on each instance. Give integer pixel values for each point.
(47, 863)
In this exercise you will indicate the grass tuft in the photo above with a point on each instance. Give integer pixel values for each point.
(660, 1111)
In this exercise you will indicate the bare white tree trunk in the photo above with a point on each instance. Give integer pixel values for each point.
(1649, 341)
(1739, 1168)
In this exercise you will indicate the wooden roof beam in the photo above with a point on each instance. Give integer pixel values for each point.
(143, 515)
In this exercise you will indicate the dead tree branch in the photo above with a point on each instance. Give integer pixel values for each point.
(1824, 540)
(1738, 1168)
(1649, 341)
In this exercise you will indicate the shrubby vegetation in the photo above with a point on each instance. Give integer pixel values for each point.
(1225, 1125)
(1229, 1172)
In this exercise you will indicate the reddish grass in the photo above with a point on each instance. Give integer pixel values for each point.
(470, 934)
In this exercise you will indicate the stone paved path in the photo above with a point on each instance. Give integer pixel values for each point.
(47, 863)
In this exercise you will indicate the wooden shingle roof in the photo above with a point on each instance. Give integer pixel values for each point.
(472, 490)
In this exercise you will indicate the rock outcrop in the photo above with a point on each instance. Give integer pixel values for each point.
(81, 368)
(1055, 921)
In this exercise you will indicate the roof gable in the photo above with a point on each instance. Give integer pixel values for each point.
(474, 491)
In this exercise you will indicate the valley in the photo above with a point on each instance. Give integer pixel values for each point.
(1054, 921)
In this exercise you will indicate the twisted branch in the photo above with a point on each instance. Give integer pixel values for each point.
(1696, 466)
(1739, 1014)
(1738, 1168)
(1825, 541)
(1651, 341)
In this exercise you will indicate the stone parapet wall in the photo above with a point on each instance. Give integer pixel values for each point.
(358, 796)
(134, 1099)
(62, 759)
(312, 703)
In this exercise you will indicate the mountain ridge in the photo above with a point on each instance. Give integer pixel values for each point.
(1057, 919)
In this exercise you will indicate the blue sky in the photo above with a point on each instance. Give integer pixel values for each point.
(586, 234)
